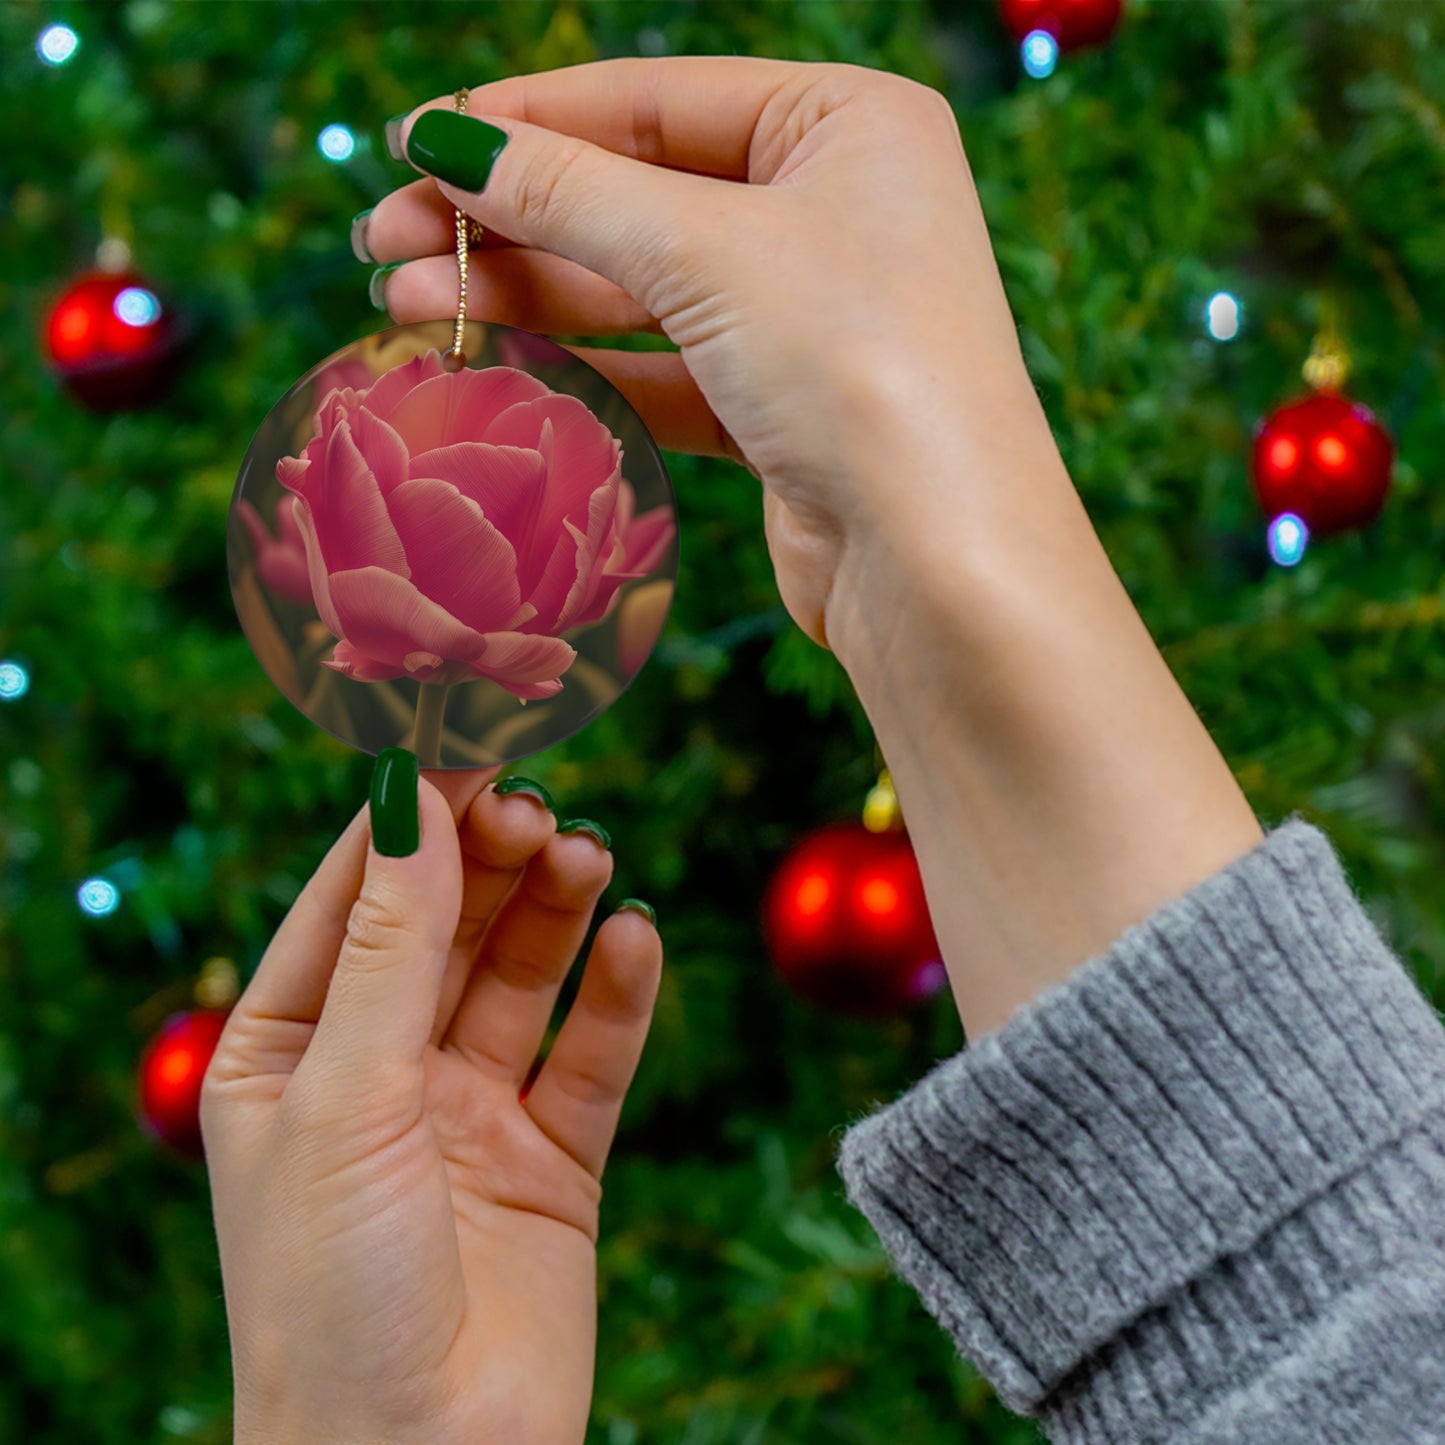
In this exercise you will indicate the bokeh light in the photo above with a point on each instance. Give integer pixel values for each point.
(1288, 538)
(879, 897)
(14, 681)
(57, 44)
(1040, 53)
(336, 143)
(98, 897)
(137, 307)
(812, 895)
(1223, 316)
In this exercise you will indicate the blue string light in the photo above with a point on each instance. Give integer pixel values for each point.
(336, 143)
(1288, 538)
(14, 681)
(57, 44)
(1223, 316)
(137, 307)
(98, 897)
(1040, 53)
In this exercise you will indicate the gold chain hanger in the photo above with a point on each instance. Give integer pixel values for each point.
(469, 233)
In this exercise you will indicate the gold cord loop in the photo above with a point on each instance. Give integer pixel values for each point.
(469, 232)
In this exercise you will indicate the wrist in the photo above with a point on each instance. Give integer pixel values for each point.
(1056, 783)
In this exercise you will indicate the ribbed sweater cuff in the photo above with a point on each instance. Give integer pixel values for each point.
(1167, 1151)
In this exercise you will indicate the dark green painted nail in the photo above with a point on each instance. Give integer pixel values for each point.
(393, 136)
(377, 289)
(586, 825)
(455, 148)
(358, 236)
(636, 905)
(526, 785)
(395, 825)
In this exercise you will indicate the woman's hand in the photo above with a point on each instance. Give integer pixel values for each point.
(809, 236)
(408, 1247)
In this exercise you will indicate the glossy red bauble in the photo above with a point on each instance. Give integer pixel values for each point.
(1073, 23)
(1324, 458)
(847, 924)
(171, 1072)
(112, 341)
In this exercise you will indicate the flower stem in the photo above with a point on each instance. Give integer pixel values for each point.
(426, 737)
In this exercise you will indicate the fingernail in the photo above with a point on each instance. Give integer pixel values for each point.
(455, 148)
(395, 824)
(586, 825)
(377, 289)
(359, 248)
(636, 905)
(526, 785)
(393, 136)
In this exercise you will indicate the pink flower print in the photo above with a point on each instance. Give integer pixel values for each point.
(455, 523)
(280, 560)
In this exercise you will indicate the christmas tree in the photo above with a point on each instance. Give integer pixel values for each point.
(1179, 214)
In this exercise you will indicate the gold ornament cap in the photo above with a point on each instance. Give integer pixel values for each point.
(881, 813)
(1328, 366)
(218, 985)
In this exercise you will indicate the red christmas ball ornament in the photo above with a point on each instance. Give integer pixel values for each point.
(112, 341)
(847, 924)
(1073, 23)
(1324, 458)
(171, 1072)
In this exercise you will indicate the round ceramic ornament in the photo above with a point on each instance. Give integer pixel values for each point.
(454, 538)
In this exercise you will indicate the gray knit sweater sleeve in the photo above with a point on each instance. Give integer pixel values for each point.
(1196, 1192)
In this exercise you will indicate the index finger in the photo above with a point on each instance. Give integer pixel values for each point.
(695, 113)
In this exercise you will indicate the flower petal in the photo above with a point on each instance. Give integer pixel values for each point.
(383, 449)
(593, 596)
(563, 581)
(458, 558)
(350, 513)
(286, 526)
(458, 406)
(285, 573)
(346, 660)
(584, 453)
(316, 567)
(646, 540)
(388, 389)
(386, 617)
(525, 665)
(508, 482)
(291, 473)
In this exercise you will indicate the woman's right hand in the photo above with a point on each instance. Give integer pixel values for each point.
(830, 312)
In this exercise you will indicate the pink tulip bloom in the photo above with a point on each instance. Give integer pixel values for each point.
(280, 560)
(456, 523)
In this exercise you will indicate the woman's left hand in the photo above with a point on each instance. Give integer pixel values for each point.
(407, 1244)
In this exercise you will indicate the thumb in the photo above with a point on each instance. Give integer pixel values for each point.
(630, 222)
(382, 999)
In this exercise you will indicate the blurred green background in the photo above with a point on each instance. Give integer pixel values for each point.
(1283, 152)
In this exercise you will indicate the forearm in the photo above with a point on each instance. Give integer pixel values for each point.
(1057, 784)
